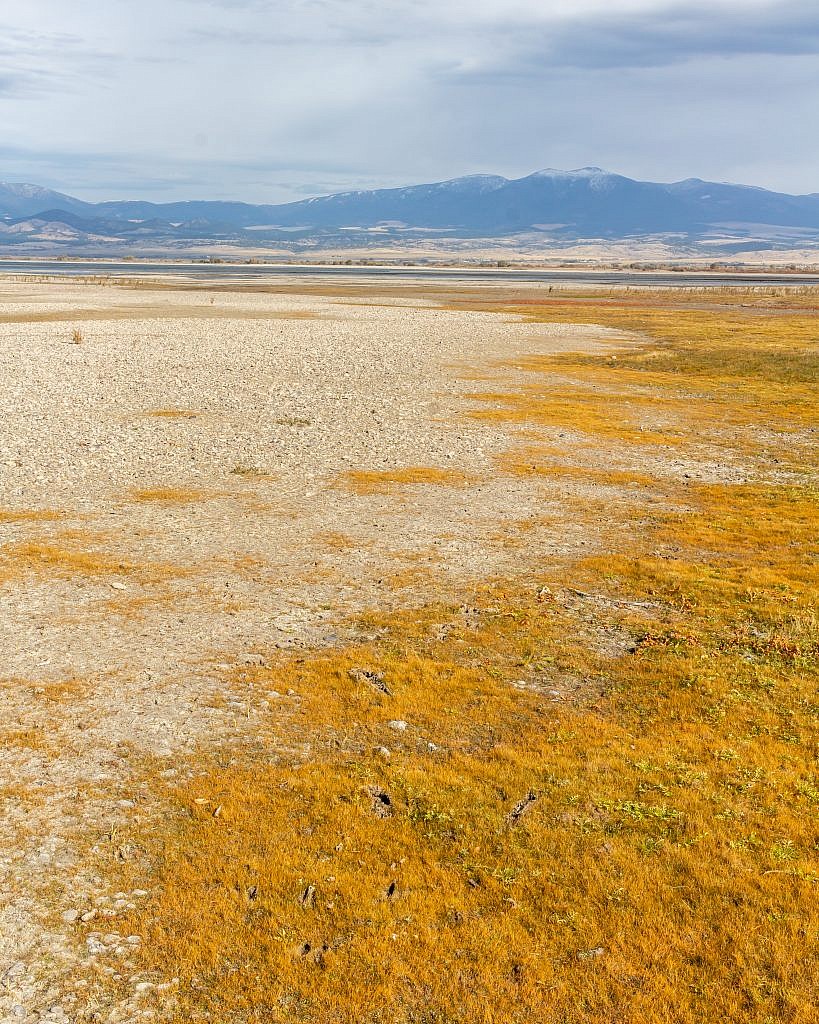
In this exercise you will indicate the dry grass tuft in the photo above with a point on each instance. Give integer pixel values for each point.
(536, 462)
(62, 691)
(336, 541)
(27, 739)
(385, 481)
(170, 495)
(62, 558)
(33, 515)
(251, 472)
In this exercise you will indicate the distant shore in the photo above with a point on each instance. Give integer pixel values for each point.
(603, 274)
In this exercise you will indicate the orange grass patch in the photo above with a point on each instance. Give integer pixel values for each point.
(64, 560)
(528, 462)
(27, 739)
(336, 541)
(664, 853)
(363, 481)
(33, 515)
(170, 495)
(64, 690)
(717, 369)
(602, 806)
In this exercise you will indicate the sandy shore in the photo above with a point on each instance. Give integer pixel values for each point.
(200, 431)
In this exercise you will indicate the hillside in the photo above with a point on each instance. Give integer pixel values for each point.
(548, 207)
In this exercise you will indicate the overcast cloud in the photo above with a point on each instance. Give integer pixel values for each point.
(270, 100)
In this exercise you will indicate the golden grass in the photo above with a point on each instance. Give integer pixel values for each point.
(663, 872)
(603, 806)
(336, 541)
(27, 739)
(32, 515)
(63, 558)
(536, 462)
(170, 495)
(385, 481)
(718, 371)
(64, 690)
(412, 577)
(587, 410)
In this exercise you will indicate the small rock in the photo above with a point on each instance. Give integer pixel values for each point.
(398, 724)
(116, 585)
(254, 659)
(383, 752)
(590, 954)
(70, 916)
(89, 915)
(375, 679)
(520, 808)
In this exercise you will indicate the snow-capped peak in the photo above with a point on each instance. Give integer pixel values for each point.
(24, 190)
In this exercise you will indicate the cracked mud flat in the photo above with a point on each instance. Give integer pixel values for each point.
(172, 500)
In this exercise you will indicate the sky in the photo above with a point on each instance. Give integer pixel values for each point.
(276, 100)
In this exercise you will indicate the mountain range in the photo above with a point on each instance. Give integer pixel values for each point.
(546, 208)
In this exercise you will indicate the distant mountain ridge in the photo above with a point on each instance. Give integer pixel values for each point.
(586, 203)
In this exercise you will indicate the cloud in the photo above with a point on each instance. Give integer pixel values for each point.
(37, 62)
(272, 99)
(682, 33)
